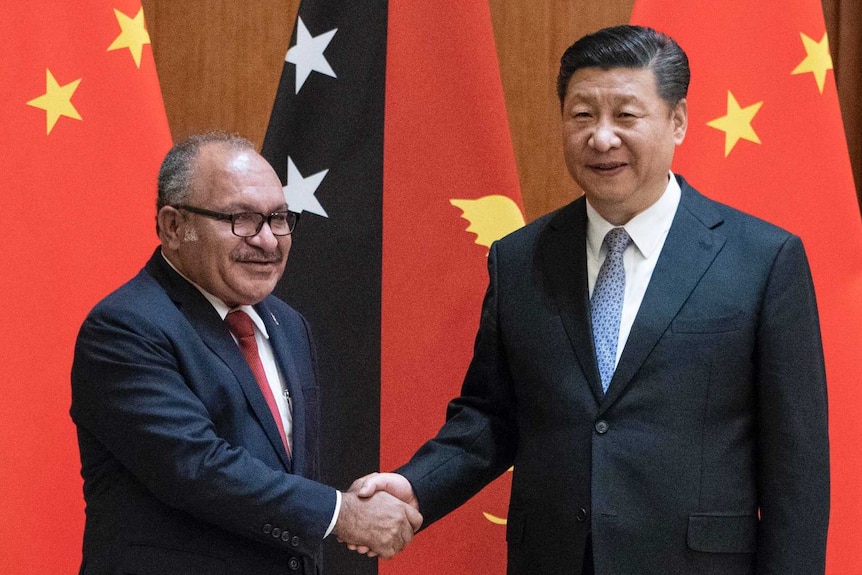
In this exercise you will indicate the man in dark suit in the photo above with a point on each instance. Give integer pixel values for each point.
(649, 360)
(199, 441)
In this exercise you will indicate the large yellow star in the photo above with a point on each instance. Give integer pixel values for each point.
(736, 124)
(133, 35)
(817, 61)
(57, 100)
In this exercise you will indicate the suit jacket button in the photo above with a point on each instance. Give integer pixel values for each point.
(276, 532)
(267, 528)
(602, 426)
(285, 536)
(295, 541)
(293, 564)
(582, 515)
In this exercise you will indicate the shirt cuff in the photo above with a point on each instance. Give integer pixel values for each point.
(335, 514)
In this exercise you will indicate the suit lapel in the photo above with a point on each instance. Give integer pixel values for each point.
(214, 333)
(691, 246)
(564, 262)
(281, 347)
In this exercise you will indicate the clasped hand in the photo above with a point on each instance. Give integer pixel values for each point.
(379, 515)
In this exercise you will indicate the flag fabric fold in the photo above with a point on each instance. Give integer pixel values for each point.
(765, 135)
(85, 131)
(449, 171)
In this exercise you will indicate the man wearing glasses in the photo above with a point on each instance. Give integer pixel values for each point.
(195, 398)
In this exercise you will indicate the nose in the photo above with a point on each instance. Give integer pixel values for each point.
(264, 239)
(604, 137)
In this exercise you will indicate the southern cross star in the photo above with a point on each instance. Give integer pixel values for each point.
(299, 192)
(307, 54)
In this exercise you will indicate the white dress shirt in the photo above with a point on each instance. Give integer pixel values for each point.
(648, 231)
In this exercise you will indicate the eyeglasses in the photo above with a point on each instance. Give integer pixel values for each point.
(249, 224)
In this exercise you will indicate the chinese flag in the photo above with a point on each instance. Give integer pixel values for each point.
(84, 130)
(390, 131)
(765, 135)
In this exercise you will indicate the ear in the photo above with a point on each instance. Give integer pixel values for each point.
(679, 116)
(171, 227)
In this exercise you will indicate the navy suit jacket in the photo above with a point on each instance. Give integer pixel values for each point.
(184, 470)
(708, 454)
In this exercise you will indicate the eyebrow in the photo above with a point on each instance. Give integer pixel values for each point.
(617, 98)
(242, 207)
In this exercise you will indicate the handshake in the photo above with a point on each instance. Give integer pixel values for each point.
(379, 515)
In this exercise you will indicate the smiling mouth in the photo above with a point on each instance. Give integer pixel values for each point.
(607, 166)
(260, 263)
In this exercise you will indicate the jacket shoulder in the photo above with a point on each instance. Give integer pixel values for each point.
(731, 221)
(570, 214)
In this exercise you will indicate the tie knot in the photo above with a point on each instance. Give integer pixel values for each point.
(239, 323)
(617, 240)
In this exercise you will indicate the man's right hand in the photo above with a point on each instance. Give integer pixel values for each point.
(392, 483)
(381, 523)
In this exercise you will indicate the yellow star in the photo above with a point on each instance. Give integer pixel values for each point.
(817, 61)
(57, 100)
(736, 124)
(133, 36)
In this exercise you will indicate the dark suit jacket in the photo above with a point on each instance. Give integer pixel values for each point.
(184, 470)
(709, 453)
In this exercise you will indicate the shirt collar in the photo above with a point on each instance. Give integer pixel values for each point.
(646, 229)
(220, 306)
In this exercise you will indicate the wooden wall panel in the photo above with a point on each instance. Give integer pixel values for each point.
(219, 64)
(844, 25)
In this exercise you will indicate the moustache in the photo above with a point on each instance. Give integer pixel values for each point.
(260, 257)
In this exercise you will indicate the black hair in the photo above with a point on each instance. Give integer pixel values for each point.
(629, 47)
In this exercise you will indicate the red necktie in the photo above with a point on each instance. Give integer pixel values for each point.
(242, 328)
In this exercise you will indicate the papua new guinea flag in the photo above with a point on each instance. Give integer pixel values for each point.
(390, 134)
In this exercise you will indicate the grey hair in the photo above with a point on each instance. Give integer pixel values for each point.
(178, 167)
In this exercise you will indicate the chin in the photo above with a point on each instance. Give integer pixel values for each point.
(607, 195)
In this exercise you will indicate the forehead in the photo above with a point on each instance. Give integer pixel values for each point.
(235, 177)
(619, 84)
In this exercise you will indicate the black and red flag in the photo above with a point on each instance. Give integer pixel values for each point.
(390, 134)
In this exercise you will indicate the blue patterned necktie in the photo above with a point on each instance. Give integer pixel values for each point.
(606, 305)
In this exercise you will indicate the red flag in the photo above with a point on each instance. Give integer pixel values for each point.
(450, 188)
(84, 131)
(765, 135)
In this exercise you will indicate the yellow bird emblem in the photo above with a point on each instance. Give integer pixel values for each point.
(493, 518)
(490, 217)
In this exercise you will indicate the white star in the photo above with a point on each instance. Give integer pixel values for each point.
(307, 54)
(299, 192)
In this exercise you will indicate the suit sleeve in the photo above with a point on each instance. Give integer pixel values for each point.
(140, 421)
(479, 439)
(793, 445)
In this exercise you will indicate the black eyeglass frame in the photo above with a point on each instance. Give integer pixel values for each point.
(222, 217)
